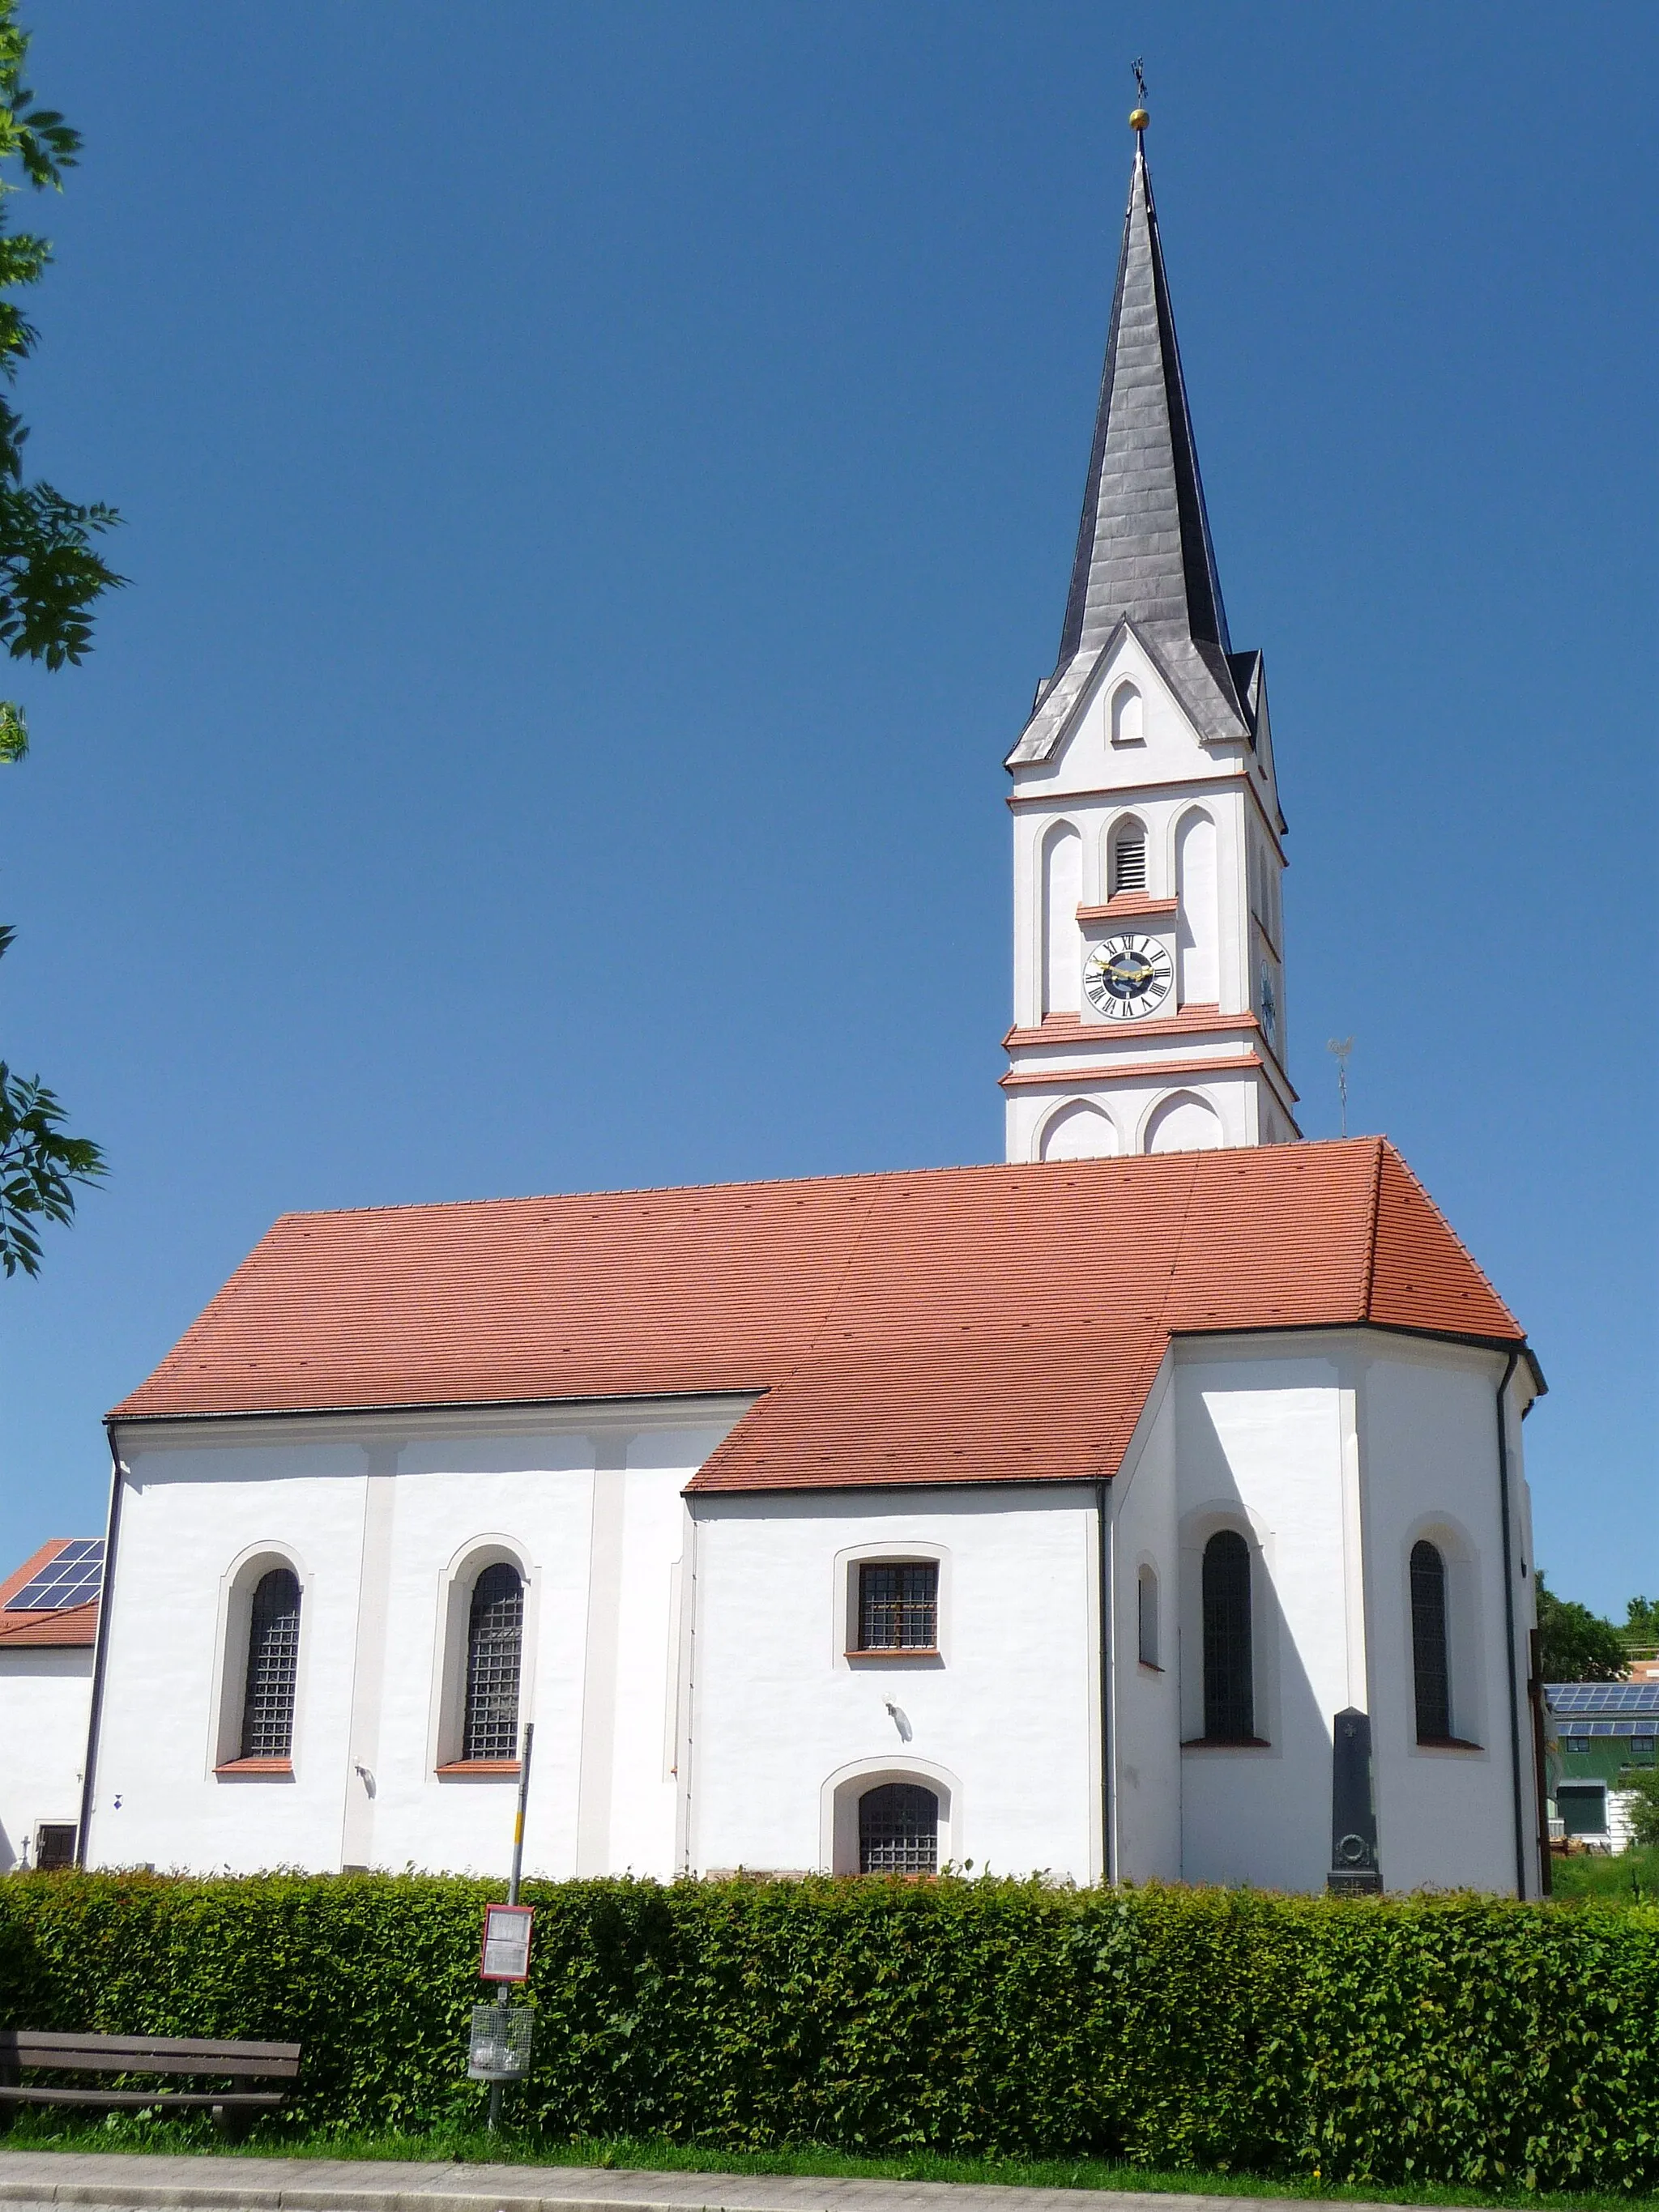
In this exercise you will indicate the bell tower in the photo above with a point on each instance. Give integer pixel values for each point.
(1149, 990)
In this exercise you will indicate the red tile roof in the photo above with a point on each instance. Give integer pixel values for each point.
(956, 1324)
(68, 1624)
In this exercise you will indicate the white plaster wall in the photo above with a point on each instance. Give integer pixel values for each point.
(1260, 1447)
(1011, 1711)
(1146, 1733)
(1129, 1107)
(1445, 1818)
(45, 1699)
(379, 1524)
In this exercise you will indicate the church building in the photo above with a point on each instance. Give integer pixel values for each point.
(1148, 1506)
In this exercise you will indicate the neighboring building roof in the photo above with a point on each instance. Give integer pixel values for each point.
(1144, 555)
(47, 1623)
(958, 1324)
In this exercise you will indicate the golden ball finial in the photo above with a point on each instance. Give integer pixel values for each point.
(1138, 118)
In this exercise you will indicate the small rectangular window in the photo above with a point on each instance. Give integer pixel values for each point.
(1641, 1751)
(54, 1848)
(898, 1605)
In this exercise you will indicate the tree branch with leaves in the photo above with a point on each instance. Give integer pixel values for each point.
(51, 576)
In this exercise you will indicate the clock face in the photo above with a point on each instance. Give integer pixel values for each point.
(1269, 1005)
(1126, 976)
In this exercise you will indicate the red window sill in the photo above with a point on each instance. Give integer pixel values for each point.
(894, 1651)
(479, 1770)
(280, 1770)
(1226, 1743)
(1447, 1743)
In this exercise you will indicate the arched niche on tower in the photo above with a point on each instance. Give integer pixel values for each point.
(1184, 1123)
(1127, 718)
(1062, 895)
(1198, 935)
(1077, 1131)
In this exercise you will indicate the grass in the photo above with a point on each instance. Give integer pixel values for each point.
(1632, 1878)
(464, 2141)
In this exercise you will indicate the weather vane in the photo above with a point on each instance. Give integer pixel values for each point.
(1340, 1048)
(1138, 118)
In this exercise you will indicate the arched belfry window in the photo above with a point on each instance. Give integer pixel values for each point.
(1128, 857)
(1431, 1674)
(1229, 1687)
(495, 1646)
(899, 1829)
(273, 1667)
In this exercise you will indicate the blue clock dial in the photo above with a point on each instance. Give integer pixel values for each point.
(1127, 976)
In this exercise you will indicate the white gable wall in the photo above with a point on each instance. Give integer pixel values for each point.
(45, 1694)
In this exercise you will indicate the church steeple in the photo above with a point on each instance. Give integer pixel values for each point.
(1149, 984)
(1144, 551)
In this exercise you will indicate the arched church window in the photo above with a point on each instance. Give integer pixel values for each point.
(494, 1641)
(899, 1829)
(1229, 1687)
(1146, 1617)
(1431, 1674)
(273, 1667)
(1128, 716)
(1128, 857)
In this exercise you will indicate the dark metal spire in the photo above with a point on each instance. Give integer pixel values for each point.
(1144, 550)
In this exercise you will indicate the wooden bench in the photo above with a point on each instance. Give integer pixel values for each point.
(233, 2109)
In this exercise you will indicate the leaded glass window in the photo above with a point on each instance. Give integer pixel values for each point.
(898, 1606)
(1229, 1689)
(495, 1643)
(898, 1830)
(273, 1667)
(1430, 1676)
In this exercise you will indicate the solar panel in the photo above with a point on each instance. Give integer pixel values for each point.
(1602, 1697)
(72, 1578)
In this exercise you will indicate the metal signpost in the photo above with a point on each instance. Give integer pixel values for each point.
(500, 2049)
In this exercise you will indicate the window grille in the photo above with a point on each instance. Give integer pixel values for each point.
(1129, 861)
(273, 1667)
(54, 1847)
(898, 1606)
(1229, 1690)
(495, 1641)
(1430, 1674)
(898, 1830)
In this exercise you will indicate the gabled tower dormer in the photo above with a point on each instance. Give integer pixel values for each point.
(1149, 991)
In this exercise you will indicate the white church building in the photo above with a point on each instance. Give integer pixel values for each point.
(1149, 1506)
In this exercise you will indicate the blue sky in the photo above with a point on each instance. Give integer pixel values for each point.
(601, 482)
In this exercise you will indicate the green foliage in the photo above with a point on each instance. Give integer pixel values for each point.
(51, 572)
(1629, 1877)
(51, 576)
(1456, 2040)
(39, 1163)
(1574, 1643)
(1642, 1621)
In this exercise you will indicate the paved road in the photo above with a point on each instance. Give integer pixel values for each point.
(128, 2182)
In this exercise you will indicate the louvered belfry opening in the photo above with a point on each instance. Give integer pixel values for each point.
(1431, 1674)
(1129, 860)
(1229, 1691)
(898, 1606)
(494, 1645)
(273, 1667)
(899, 1829)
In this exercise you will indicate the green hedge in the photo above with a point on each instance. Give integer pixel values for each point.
(1457, 2039)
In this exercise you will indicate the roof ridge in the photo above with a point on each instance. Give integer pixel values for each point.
(1370, 1230)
